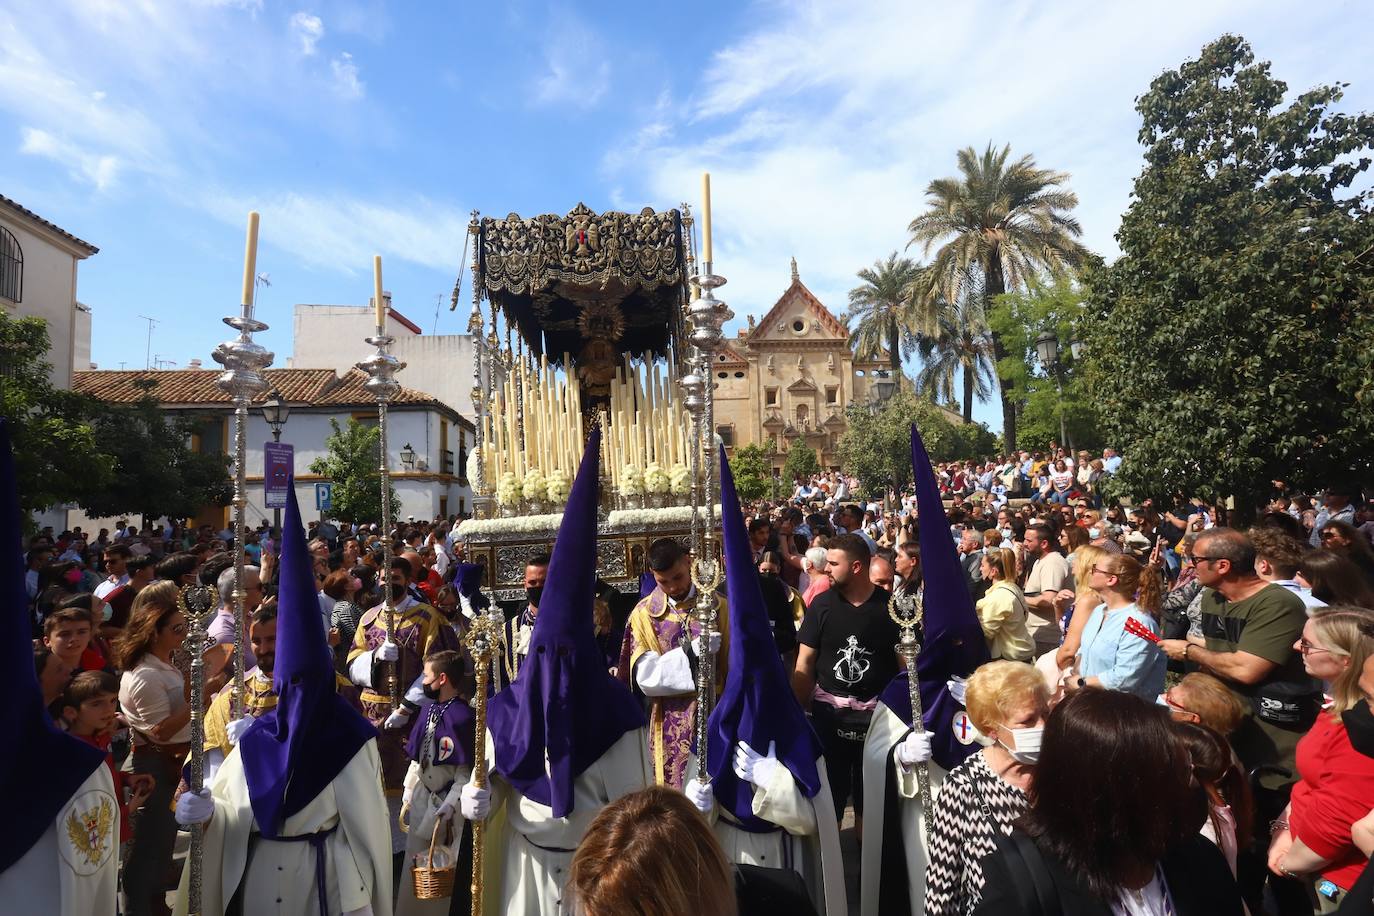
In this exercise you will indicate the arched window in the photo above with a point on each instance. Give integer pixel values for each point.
(801, 413)
(11, 267)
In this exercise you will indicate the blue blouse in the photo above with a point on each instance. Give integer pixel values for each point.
(1120, 660)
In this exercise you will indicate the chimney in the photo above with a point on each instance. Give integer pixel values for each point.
(194, 364)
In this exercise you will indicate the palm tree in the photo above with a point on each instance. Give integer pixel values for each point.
(882, 311)
(1008, 223)
(960, 344)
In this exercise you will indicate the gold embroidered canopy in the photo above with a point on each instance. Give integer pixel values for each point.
(587, 281)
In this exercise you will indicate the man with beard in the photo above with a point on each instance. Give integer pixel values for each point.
(521, 626)
(222, 733)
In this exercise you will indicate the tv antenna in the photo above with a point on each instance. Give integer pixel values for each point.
(148, 354)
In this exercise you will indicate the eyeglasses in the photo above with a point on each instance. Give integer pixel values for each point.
(1105, 572)
(1327, 535)
(1307, 648)
(1197, 559)
(1174, 706)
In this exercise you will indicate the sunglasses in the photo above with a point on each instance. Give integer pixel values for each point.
(1199, 559)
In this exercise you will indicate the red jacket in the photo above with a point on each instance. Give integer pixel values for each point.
(1335, 789)
(121, 782)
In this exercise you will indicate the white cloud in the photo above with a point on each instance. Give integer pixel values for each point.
(346, 82)
(307, 30)
(339, 232)
(93, 168)
(576, 71)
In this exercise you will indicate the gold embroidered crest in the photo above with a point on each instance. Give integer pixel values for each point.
(90, 832)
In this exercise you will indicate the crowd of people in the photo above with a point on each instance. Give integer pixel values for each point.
(1156, 710)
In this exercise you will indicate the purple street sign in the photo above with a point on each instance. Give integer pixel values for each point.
(278, 462)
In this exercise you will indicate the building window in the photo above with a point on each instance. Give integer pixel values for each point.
(727, 435)
(832, 394)
(801, 413)
(722, 375)
(770, 397)
(739, 375)
(798, 326)
(11, 267)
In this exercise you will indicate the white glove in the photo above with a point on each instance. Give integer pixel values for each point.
(751, 766)
(444, 811)
(475, 802)
(712, 642)
(699, 793)
(957, 687)
(387, 652)
(915, 749)
(234, 730)
(195, 809)
(397, 719)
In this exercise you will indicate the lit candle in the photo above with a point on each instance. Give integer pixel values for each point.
(250, 259)
(378, 302)
(706, 217)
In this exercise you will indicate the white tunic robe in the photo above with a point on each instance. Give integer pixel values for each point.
(278, 877)
(73, 869)
(527, 851)
(429, 792)
(808, 843)
(885, 730)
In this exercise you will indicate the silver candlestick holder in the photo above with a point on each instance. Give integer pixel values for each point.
(244, 362)
(380, 367)
(198, 603)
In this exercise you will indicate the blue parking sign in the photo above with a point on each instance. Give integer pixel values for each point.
(324, 496)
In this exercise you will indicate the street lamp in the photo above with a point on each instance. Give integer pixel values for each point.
(884, 385)
(1077, 348)
(1047, 349)
(275, 410)
(408, 457)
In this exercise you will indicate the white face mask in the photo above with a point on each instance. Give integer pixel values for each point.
(1027, 750)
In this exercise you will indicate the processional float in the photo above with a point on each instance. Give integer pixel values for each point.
(592, 320)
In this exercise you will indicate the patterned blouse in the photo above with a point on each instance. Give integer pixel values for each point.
(972, 801)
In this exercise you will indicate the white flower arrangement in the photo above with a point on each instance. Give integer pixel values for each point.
(482, 528)
(472, 466)
(631, 481)
(655, 478)
(669, 516)
(680, 479)
(534, 488)
(508, 489)
(558, 486)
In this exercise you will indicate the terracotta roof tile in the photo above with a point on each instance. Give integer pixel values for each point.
(198, 386)
(25, 211)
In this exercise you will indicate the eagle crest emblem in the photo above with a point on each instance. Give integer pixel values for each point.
(90, 829)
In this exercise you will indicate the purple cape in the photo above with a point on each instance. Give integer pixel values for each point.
(563, 710)
(455, 724)
(469, 582)
(40, 767)
(757, 705)
(954, 643)
(293, 752)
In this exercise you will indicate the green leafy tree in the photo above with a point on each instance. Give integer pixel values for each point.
(801, 462)
(959, 347)
(1019, 318)
(973, 440)
(882, 314)
(351, 464)
(156, 472)
(57, 456)
(753, 474)
(1234, 338)
(1005, 223)
(876, 447)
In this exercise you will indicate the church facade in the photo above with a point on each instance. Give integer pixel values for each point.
(792, 375)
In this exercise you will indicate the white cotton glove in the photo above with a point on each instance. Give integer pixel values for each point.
(751, 766)
(407, 794)
(444, 811)
(699, 794)
(397, 719)
(915, 749)
(234, 730)
(388, 652)
(195, 809)
(475, 802)
(957, 687)
(712, 643)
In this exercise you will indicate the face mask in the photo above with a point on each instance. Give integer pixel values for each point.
(431, 691)
(1027, 750)
(398, 592)
(533, 594)
(107, 613)
(1094, 533)
(72, 576)
(1006, 534)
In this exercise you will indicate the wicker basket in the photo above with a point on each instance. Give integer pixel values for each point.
(433, 883)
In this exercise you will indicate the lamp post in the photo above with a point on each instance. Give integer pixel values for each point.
(275, 410)
(1047, 349)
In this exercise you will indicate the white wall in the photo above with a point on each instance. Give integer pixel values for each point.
(49, 291)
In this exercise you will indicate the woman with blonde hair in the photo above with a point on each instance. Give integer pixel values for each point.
(1002, 609)
(1080, 596)
(1111, 655)
(1335, 759)
(1007, 702)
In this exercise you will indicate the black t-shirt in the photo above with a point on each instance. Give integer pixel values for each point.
(855, 646)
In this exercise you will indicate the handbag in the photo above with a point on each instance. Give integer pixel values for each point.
(1030, 875)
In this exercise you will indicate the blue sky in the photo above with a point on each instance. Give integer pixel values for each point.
(151, 127)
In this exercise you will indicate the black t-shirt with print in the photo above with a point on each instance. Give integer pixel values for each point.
(855, 646)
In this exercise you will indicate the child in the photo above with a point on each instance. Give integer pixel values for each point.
(67, 632)
(440, 749)
(88, 710)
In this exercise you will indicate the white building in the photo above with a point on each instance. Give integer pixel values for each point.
(332, 337)
(38, 263)
(433, 484)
